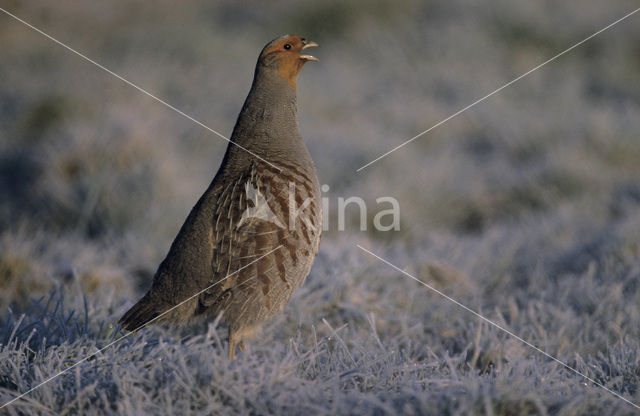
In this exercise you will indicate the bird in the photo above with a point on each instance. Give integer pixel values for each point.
(250, 240)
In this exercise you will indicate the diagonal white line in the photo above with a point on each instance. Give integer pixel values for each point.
(497, 90)
(135, 330)
(182, 113)
(567, 366)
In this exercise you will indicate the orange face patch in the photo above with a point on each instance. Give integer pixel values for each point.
(290, 44)
(289, 62)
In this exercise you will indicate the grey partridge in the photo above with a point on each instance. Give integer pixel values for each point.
(256, 229)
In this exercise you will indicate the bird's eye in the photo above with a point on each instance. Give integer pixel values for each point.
(287, 46)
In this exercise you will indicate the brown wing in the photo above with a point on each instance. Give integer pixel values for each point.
(249, 224)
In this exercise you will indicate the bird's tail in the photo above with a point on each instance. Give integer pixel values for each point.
(139, 314)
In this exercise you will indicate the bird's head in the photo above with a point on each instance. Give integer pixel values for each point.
(285, 56)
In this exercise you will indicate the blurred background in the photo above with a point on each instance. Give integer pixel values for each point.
(526, 205)
(95, 175)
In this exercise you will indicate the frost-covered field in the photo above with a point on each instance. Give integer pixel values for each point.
(524, 208)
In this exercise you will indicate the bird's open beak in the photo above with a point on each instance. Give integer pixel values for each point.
(309, 44)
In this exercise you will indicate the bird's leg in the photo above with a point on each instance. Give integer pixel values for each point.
(232, 345)
(242, 345)
(232, 350)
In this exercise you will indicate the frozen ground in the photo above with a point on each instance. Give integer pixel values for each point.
(524, 208)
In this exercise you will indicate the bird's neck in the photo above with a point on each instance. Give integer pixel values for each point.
(269, 113)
